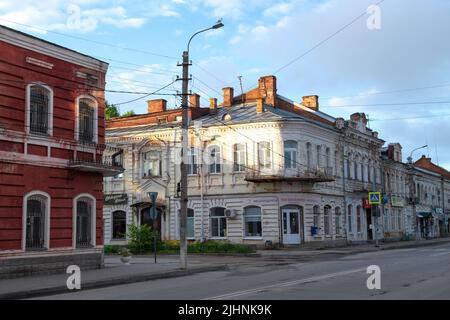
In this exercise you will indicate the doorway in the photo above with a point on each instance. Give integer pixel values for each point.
(370, 226)
(291, 226)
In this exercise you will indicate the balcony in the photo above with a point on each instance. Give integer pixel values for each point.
(108, 166)
(317, 175)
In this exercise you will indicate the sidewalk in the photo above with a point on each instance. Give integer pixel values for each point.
(308, 254)
(142, 268)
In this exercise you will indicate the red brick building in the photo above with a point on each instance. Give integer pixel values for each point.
(51, 144)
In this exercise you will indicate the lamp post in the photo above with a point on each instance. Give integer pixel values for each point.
(184, 127)
(410, 155)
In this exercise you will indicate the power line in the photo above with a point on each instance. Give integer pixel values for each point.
(324, 40)
(152, 93)
(387, 104)
(413, 118)
(92, 41)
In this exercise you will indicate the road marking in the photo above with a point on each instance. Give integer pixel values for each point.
(285, 284)
(440, 254)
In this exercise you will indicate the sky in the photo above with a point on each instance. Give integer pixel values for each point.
(392, 63)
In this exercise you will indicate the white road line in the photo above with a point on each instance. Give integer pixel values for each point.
(285, 284)
(440, 254)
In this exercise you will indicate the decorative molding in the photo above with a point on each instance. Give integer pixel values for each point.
(39, 63)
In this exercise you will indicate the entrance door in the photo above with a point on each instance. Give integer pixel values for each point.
(370, 224)
(291, 226)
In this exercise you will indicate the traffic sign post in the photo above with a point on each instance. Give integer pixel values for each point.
(153, 215)
(375, 200)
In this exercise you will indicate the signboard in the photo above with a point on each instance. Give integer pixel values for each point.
(366, 204)
(115, 199)
(153, 196)
(397, 201)
(374, 198)
(439, 210)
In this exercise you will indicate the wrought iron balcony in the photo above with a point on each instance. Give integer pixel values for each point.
(108, 166)
(260, 175)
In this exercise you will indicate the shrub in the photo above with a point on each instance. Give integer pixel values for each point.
(210, 246)
(141, 239)
(111, 249)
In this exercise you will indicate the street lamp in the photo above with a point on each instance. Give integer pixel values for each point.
(184, 159)
(410, 155)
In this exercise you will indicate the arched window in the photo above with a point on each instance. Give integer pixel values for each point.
(39, 109)
(316, 216)
(327, 159)
(264, 155)
(84, 220)
(119, 225)
(348, 166)
(319, 156)
(218, 223)
(252, 221)
(337, 220)
(239, 157)
(349, 218)
(290, 154)
(327, 220)
(86, 124)
(151, 164)
(358, 219)
(36, 221)
(215, 161)
(355, 168)
(190, 227)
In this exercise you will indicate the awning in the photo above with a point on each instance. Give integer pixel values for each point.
(145, 204)
(424, 214)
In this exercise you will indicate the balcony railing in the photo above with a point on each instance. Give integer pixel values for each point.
(106, 165)
(320, 174)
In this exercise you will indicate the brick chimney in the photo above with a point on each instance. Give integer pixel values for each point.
(212, 105)
(158, 105)
(194, 101)
(259, 105)
(267, 87)
(311, 102)
(228, 95)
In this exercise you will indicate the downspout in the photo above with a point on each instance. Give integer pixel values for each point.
(344, 190)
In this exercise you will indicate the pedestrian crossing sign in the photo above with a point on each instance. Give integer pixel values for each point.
(374, 197)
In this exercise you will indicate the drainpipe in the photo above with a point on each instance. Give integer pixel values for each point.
(344, 190)
(201, 191)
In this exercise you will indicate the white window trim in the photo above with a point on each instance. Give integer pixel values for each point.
(244, 236)
(28, 107)
(77, 114)
(213, 161)
(47, 218)
(217, 217)
(74, 219)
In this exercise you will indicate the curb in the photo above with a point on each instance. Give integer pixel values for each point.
(356, 251)
(110, 282)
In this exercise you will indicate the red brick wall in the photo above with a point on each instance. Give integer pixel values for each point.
(17, 180)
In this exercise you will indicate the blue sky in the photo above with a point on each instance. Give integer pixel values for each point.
(407, 60)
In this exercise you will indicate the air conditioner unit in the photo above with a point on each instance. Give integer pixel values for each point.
(230, 213)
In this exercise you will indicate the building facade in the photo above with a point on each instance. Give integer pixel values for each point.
(52, 135)
(264, 170)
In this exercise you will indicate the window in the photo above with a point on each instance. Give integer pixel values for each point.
(290, 154)
(386, 220)
(369, 173)
(84, 222)
(337, 220)
(215, 164)
(393, 220)
(308, 155)
(355, 168)
(36, 219)
(151, 164)
(327, 220)
(218, 223)
(264, 155)
(40, 109)
(252, 222)
(192, 165)
(239, 158)
(190, 227)
(86, 120)
(358, 219)
(117, 161)
(399, 219)
(349, 218)
(316, 216)
(349, 167)
(327, 158)
(119, 225)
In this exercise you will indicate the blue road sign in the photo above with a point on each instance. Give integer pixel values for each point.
(374, 197)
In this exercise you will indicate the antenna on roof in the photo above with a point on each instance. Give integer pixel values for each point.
(242, 89)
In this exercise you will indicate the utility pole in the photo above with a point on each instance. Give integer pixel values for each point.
(374, 210)
(184, 159)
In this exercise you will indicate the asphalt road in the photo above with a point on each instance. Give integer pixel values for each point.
(419, 273)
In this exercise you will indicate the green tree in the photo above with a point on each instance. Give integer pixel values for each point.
(129, 113)
(111, 111)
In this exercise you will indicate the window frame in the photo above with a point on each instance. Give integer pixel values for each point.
(244, 219)
(293, 151)
(93, 221)
(327, 220)
(77, 118)
(219, 218)
(267, 154)
(47, 218)
(112, 226)
(216, 160)
(239, 157)
(28, 109)
(157, 159)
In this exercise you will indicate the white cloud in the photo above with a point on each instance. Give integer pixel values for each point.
(279, 8)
